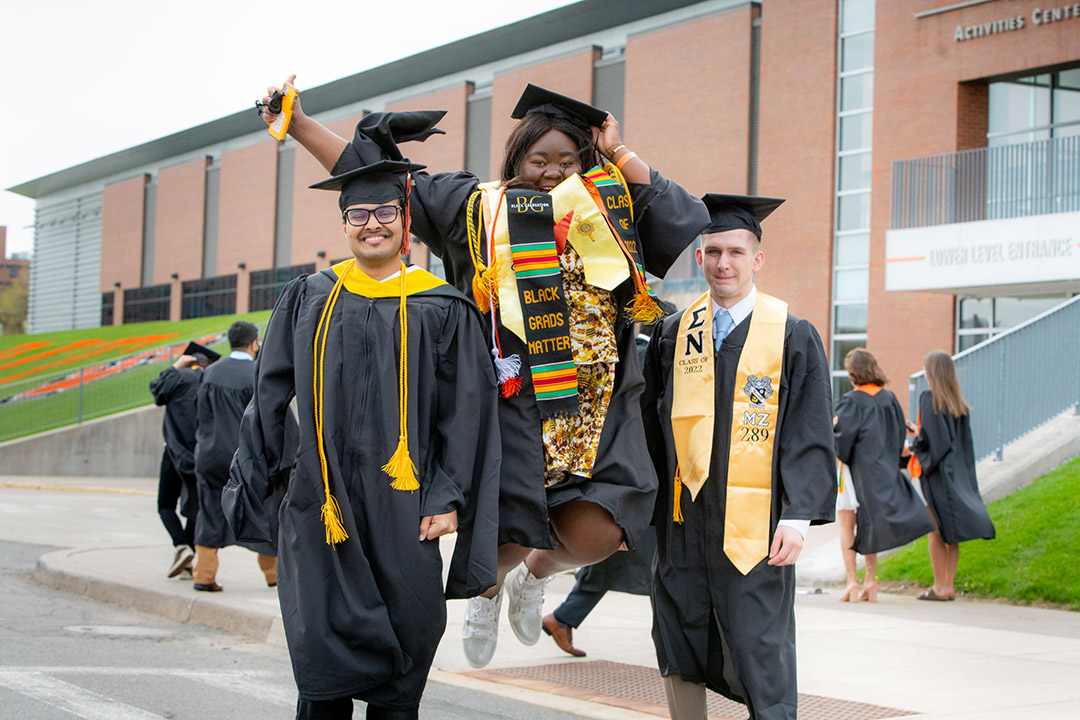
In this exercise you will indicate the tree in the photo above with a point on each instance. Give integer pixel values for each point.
(13, 304)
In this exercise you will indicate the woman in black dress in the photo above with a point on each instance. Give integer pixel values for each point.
(946, 455)
(877, 506)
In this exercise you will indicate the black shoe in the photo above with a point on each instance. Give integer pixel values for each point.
(181, 561)
(212, 587)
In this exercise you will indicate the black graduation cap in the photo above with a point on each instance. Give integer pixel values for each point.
(379, 182)
(731, 212)
(203, 354)
(536, 99)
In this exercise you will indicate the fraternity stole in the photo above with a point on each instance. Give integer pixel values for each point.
(543, 303)
(753, 421)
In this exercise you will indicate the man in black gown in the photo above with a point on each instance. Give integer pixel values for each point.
(755, 421)
(224, 393)
(377, 356)
(176, 388)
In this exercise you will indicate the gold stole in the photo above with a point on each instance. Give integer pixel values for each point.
(754, 416)
(605, 263)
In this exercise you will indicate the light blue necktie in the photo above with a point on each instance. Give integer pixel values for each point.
(722, 323)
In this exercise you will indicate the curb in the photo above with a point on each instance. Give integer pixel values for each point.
(206, 611)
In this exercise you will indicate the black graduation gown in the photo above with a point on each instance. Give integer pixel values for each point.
(224, 393)
(711, 624)
(945, 450)
(176, 388)
(363, 618)
(869, 435)
(667, 219)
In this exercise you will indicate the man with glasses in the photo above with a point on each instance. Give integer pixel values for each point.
(399, 445)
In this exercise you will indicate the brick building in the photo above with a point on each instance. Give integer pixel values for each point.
(13, 271)
(929, 151)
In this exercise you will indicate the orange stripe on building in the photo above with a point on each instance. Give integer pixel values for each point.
(907, 259)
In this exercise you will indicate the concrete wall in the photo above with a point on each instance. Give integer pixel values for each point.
(128, 444)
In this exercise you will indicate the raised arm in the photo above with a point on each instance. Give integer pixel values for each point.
(323, 144)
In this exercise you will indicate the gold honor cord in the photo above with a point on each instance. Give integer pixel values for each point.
(400, 466)
(331, 513)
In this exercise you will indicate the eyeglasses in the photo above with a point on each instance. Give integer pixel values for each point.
(358, 217)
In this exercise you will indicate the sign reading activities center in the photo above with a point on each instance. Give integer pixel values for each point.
(1039, 250)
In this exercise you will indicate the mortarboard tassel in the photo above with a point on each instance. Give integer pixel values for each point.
(331, 512)
(400, 466)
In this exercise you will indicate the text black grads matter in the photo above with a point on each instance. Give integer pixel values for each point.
(399, 443)
(740, 433)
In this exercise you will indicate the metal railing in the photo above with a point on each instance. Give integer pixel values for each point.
(73, 396)
(1019, 380)
(992, 183)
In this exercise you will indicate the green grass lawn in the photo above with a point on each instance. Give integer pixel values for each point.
(1035, 557)
(101, 397)
(184, 330)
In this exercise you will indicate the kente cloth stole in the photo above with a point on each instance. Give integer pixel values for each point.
(754, 417)
(542, 301)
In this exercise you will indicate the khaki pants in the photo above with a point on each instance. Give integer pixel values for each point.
(206, 566)
(686, 700)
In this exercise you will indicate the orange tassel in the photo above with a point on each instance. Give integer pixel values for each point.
(511, 387)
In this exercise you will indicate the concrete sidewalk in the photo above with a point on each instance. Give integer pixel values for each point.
(962, 659)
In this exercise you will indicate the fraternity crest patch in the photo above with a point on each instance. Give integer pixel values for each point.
(759, 389)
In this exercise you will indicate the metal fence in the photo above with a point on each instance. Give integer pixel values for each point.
(994, 183)
(1019, 380)
(66, 398)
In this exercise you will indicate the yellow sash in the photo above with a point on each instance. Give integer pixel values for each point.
(605, 263)
(753, 421)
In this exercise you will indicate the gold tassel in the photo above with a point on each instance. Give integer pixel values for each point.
(400, 466)
(643, 308)
(331, 517)
(676, 514)
(480, 292)
(331, 513)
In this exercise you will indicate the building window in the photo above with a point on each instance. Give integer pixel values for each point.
(108, 301)
(1035, 107)
(979, 319)
(851, 237)
(208, 297)
(266, 285)
(147, 304)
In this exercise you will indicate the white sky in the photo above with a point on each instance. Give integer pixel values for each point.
(85, 79)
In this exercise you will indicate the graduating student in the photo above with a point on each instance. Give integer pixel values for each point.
(176, 388)
(555, 255)
(945, 464)
(399, 445)
(224, 393)
(878, 508)
(737, 411)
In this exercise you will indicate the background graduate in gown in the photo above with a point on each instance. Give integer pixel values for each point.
(869, 432)
(224, 393)
(945, 462)
(717, 624)
(398, 446)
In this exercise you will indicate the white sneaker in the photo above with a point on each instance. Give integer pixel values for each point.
(181, 561)
(525, 594)
(480, 633)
